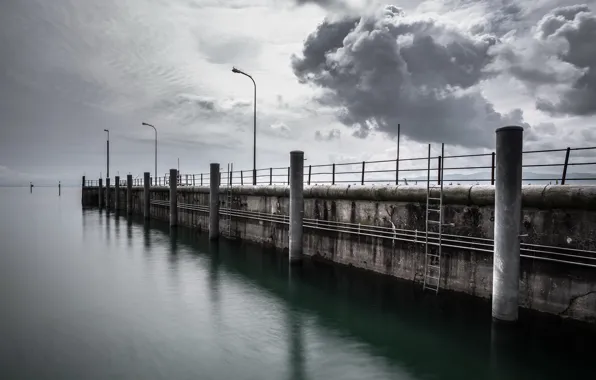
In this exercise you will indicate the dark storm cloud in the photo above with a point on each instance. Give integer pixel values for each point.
(561, 54)
(388, 68)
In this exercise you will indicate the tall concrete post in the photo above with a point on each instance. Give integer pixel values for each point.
(100, 193)
(214, 201)
(296, 205)
(108, 206)
(508, 177)
(117, 193)
(146, 195)
(129, 194)
(173, 199)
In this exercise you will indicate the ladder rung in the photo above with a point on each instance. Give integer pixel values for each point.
(433, 254)
(434, 199)
(434, 209)
(434, 221)
(434, 278)
(433, 266)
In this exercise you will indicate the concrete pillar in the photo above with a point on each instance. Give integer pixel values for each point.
(146, 196)
(83, 192)
(214, 201)
(296, 204)
(100, 193)
(117, 193)
(108, 206)
(507, 223)
(129, 194)
(173, 199)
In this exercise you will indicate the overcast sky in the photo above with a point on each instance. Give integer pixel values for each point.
(334, 78)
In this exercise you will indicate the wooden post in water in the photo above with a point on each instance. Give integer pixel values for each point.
(146, 195)
(173, 199)
(59, 189)
(296, 205)
(214, 178)
(100, 193)
(129, 194)
(117, 193)
(108, 206)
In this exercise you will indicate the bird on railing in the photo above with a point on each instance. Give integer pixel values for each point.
(406, 181)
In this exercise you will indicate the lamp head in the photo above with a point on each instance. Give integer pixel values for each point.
(105, 130)
(235, 70)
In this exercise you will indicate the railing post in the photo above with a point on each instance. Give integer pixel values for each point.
(397, 171)
(186, 180)
(201, 179)
(309, 171)
(129, 194)
(117, 193)
(231, 179)
(241, 178)
(565, 166)
(146, 196)
(363, 165)
(193, 180)
(214, 180)
(492, 170)
(270, 176)
(439, 167)
(100, 193)
(296, 182)
(508, 196)
(333, 175)
(289, 175)
(174, 199)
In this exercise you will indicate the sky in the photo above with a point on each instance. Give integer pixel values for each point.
(334, 79)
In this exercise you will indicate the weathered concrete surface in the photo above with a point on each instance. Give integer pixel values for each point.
(561, 216)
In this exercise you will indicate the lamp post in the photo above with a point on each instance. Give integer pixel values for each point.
(254, 152)
(108, 150)
(155, 129)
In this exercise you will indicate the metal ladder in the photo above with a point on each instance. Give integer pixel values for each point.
(434, 221)
(229, 199)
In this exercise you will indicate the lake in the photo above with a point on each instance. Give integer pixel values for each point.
(86, 294)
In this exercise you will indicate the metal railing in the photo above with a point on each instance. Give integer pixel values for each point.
(540, 166)
(554, 166)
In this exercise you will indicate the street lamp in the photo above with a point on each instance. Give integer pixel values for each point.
(149, 125)
(108, 150)
(254, 152)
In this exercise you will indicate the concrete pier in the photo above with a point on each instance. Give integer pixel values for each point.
(100, 193)
(214, 201)
(508, 196)
(146, 195)
(117, 193)
(129, 194)
(108, 206)
(173, 199)
(296, 205)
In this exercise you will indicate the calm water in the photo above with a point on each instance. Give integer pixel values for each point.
(86, 295)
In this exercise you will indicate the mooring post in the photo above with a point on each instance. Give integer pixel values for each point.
(117, 193)
(108, 193)
(296, 204)
(214, 177)
(173, 199)
(508, 196)
(146, 195)
(59, 189)
(129, 194)
(83, 192)
(100, 193)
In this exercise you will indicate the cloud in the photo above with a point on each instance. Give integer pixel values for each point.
(559, 58)
(389, 68)
(279, 129)
(330, 135)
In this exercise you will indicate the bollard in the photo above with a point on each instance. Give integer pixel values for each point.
(107, 193)
(100, 192)
(507, 223)
(296, 205)
(173, 199)
(129, 194)
(117, 193)
(146, 196)
(214, 201)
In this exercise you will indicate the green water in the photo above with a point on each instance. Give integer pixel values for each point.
(91, 295)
